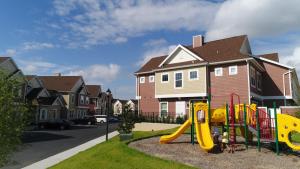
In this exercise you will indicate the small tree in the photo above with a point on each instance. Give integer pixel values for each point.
(127, 121)
(13, 114)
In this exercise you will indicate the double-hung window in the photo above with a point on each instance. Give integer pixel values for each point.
(252, 77)
(165, 78)
(178, 80)
(259, 81)
(163, 109)
(193, 74)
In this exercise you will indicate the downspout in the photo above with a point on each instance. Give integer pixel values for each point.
(248, 74)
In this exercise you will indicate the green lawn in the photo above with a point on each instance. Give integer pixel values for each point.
(115, 154)
(296, 137)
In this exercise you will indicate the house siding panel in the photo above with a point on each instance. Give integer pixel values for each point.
(148, 102)
(223, 86)
(273, 80)
(189, 86)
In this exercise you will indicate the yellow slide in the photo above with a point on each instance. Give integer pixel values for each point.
(287, 124)
(203, 133)
(202, 129)
(176, 134)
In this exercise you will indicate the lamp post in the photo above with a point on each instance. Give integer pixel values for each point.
(108, 93)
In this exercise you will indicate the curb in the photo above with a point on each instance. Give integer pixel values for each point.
(55, 159)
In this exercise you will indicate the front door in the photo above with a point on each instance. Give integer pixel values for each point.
(180, 108)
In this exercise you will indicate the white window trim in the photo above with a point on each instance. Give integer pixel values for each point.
(142, 79)
(181, 80)
(192, 70)
(233, 67)
(160, 108)
(257, 74)
(151, 81)
(252, 70)
(161, 80)
(221, 70)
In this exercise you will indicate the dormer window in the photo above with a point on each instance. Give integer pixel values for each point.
(81, 99)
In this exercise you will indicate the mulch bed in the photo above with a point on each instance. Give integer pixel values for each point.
(181, 150)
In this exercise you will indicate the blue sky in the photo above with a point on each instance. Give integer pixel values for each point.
(107, 41)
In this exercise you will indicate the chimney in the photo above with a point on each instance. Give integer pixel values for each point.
(198, 41)
(57, 74)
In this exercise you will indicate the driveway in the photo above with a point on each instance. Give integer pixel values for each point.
(39, 145)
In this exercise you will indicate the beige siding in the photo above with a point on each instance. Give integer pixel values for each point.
(67, 100)
(189, 86)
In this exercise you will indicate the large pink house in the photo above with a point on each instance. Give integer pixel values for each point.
(167, 83)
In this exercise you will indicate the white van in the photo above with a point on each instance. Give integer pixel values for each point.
(100, 118)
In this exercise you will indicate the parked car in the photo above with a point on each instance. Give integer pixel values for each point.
(90, 120)
(100, 118)
(113, 120)
(58, 124)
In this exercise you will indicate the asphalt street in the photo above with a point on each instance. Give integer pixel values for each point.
(38, 145)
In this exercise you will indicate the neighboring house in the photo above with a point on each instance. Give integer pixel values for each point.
(119, 105)
(106, 99)
(8, 66)
(73, 90)
(47, 105)
(132, 104)
(94, 92)
(168, 83)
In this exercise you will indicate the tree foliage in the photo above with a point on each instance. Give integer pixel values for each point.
(13, 114)
(127, 120)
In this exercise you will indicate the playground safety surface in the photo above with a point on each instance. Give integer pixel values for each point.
(181, 150)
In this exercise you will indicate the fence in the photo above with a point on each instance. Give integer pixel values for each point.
(155, 117)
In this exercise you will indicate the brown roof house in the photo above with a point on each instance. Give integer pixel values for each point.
(166, 84)
(94, 92)
(48, 105)
(10, 68)
(73, 90)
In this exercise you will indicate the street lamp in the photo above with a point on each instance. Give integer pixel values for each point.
(108, 92)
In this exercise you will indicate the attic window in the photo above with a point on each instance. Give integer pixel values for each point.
(142, 79)
(219, 71)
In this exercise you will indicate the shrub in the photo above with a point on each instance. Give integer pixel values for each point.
(127, 121)
(14, 114)
(297, 114)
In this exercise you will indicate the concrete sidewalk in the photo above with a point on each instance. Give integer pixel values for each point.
(55, 159)
(153, 126)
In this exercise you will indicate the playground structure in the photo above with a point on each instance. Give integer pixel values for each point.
(248, 118)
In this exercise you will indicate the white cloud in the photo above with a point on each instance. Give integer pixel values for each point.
(98, 73)
(10, 52)
(256, 18)
(293, 59)
(36, 45)
(155, 48)
(91, 22)
(36, 66)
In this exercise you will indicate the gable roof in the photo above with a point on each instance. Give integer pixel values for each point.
(221, 50)
(93, 90)
(183, 48)
(30, 77)
(60, 83)
(271, 56)
(2, 59)
(33, 94)
(213, 51)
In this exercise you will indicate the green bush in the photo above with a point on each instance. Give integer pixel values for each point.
(127, 121)
(14, 114)
(297, 114)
